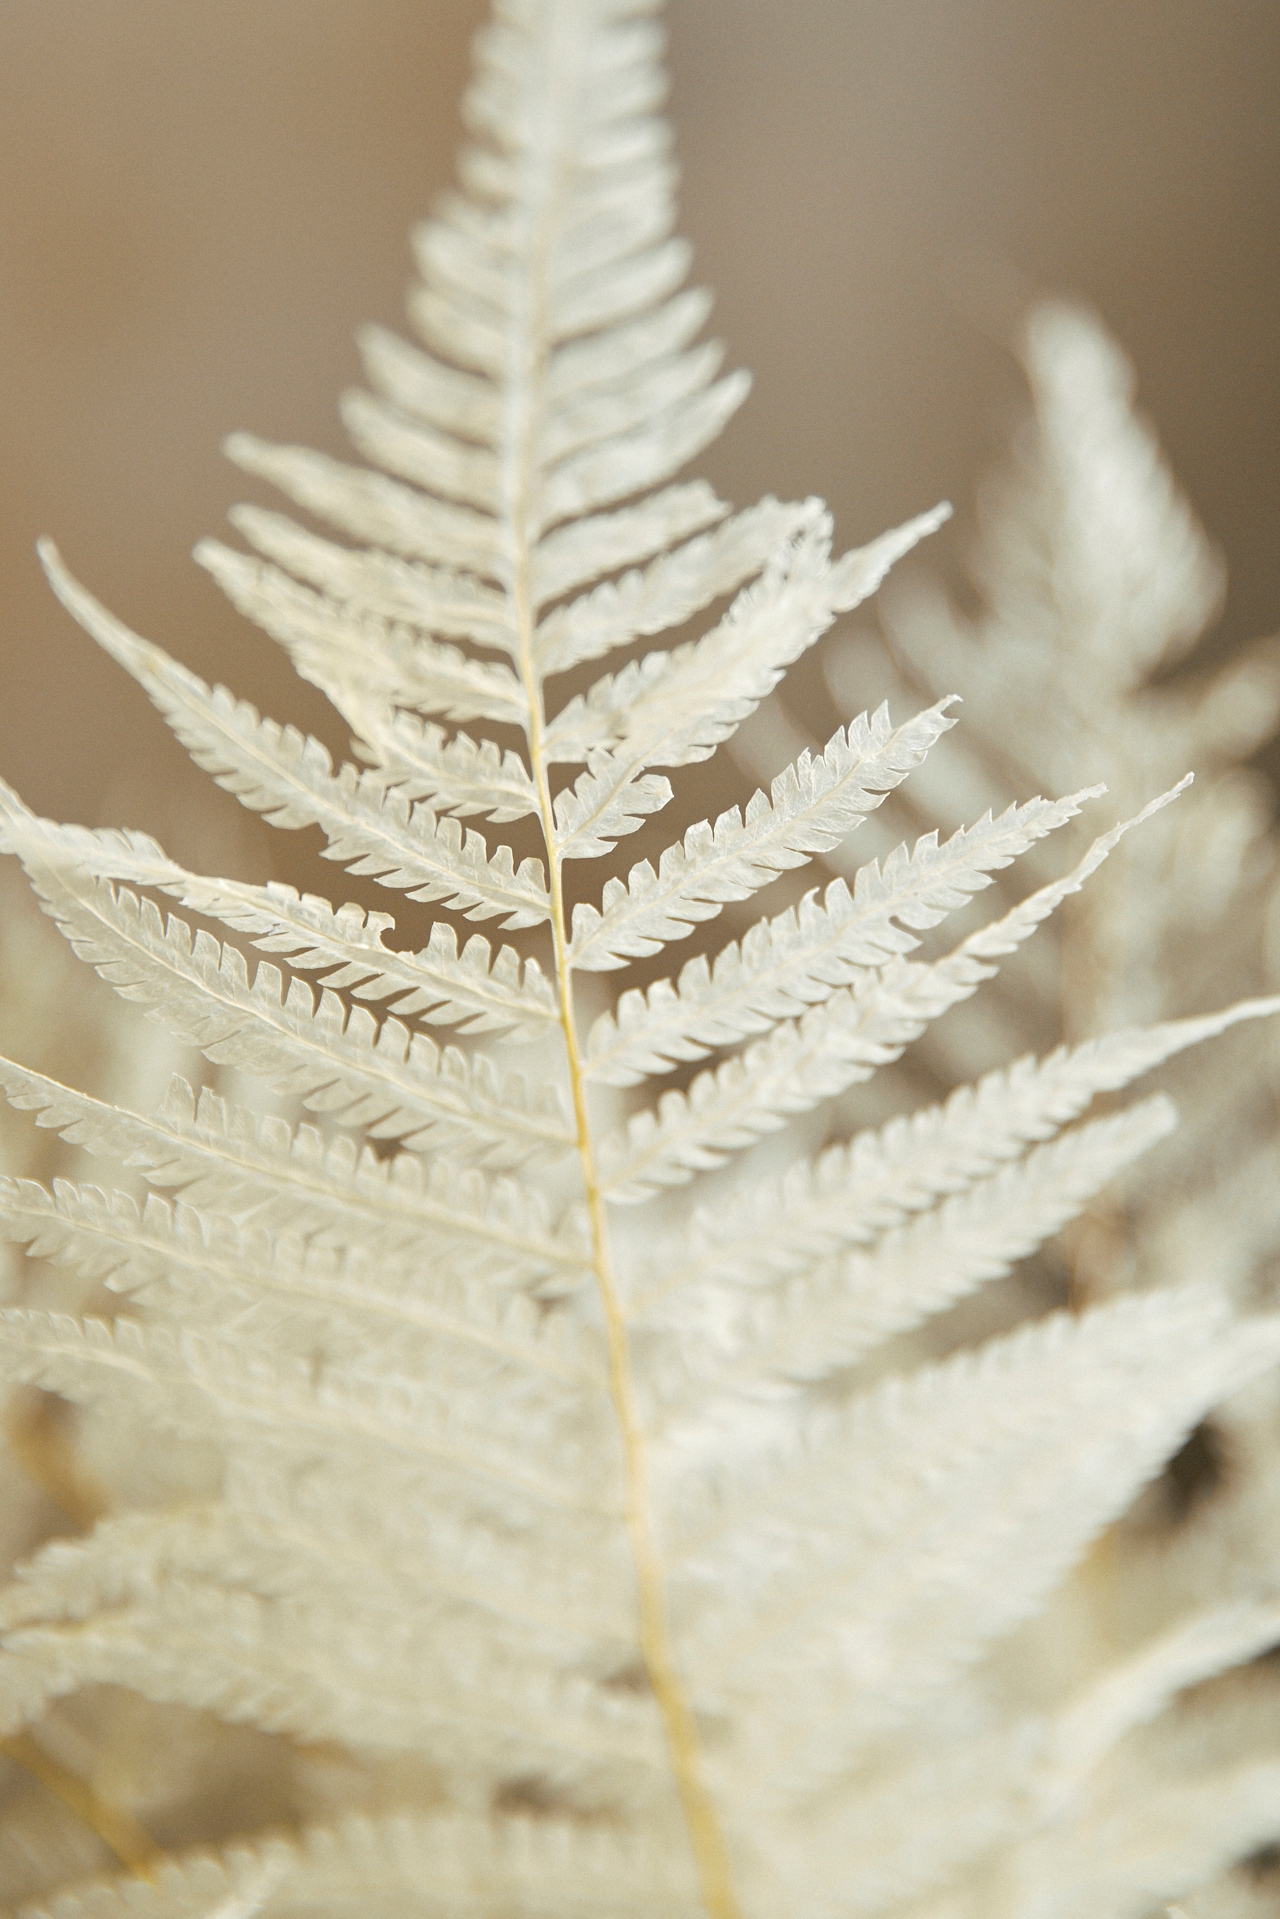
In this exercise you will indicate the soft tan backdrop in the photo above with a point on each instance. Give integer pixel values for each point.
(202, 198)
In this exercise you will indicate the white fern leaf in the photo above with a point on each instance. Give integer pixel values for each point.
(572, 555)
(1162, 1817)
(331, 646)
(371, 506)
(853, 1193)
(475, 989)
(1159, 568)
(457, 775)
(395, 1083)
(810, 807)
(275, 1665)
(217, 1275)
(670, 590)
(441, 463)
(820, 1316)
(792, 961)
(1138, 1690)
(440, 1222)
(277, 771)
(433, 1864)
(582, 551)
(1067, 1446)
(482, 1582)
(831, 1047)
(675, 707)
(635, 461)
(598, 810)
(429, 388)
(586, 416)
(432, 599)
(626, 1529)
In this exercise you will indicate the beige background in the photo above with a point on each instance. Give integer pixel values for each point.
(202, 198)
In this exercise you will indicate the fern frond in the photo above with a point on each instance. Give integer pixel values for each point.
(573, 555)
(436, 1864)
(394, 1083)
(835, 1309)
(626, 1529)
(853, 1193)
(212, 1273)
(633, 462)
(476, 990)
(436, 602)
(670, 590)
(442, 1222)
(456, 775)
(373, 507)
(474, 1578)
(220, 1388)
(830, 1048)
(674, 707)
(395, 664)
(599, 809)
(787, 963)
(1138, 1690)
(1015, 1456)
(809, 809)
(277, 771)
(278, 1667)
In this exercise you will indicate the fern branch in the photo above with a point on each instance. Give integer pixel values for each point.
(853, 1193)
(475, 990)
(245, 1659)
(1040, 1439)
(558, 131)
(216, 1389)
(809, 808)
(669, 591)
(675, 706)
(834, 1310)
(393, 1083)
(830, 1048)
(438, 1222)
(324, 639)
(457, 775)
(792, 961)
(209, 1271)
(436, 602)
(276, 771)
(373, 507)
(485, 1582)
(439, 1864)
(573, 555)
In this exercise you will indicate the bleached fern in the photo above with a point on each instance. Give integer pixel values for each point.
(628, 1515)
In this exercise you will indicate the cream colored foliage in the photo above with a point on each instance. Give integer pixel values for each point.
(632, 1556)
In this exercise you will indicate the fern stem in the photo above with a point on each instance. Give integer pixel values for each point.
(705, 1836)
(42, 1448)
(527, 376)
(684, 1744)
(131, 1843)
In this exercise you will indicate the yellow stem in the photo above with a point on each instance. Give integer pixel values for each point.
(47, 1456)
(706, 1838)
(44, 1451)
(131, 1843)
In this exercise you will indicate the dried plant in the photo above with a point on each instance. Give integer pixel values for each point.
(596, 1473)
